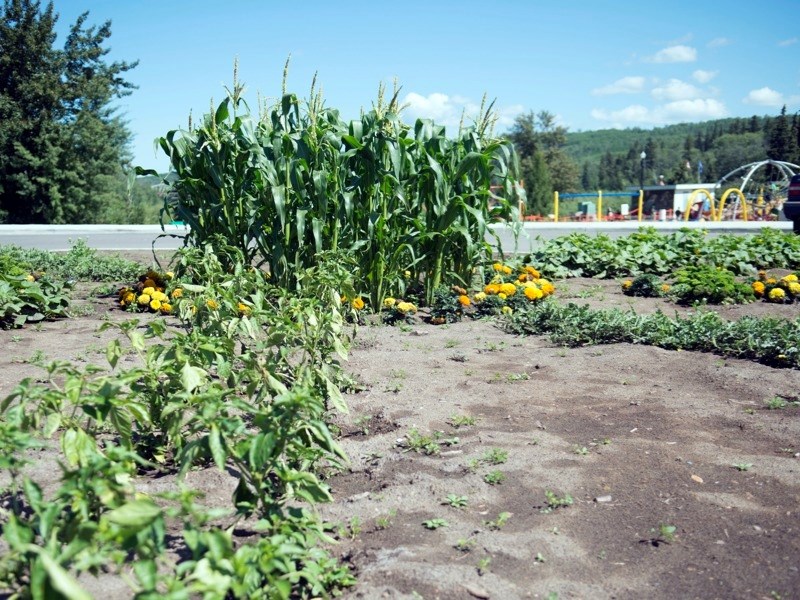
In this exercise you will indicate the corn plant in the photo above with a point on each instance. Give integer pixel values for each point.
(297, 180)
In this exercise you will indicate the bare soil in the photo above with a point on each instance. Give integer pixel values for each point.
(638, 437)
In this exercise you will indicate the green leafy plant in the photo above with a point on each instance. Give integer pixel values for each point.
(709, 285)
(455, 501)
(499, 522)
(435, 524)
(494, 477)
(553, 501)
(458, 421)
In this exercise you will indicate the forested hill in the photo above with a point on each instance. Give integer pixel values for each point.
(610, 158)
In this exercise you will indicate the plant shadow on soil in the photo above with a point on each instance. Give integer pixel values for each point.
(641, 439)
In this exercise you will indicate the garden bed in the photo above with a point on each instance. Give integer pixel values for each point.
(642, 440)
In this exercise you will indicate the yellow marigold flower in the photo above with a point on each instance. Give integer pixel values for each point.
(389, 302)
(169, 275)
(506, 310)
(790, 277)
(143, 300)
(758, 288)
(533, 293)
(155, 305)
(523, 277)
(506, 270)
(509, 289)
(406, 307)
(166, 308)
(149, 290)
(480, 296)
(464, 300)
(502, 296)
(128, 298)
(547, 287)
(342, 299)
(492, 288)
(212, 304)
(357, 303)
(664, 288)
(532, 272)
(177, 293)
(777, 294)
(243, 308)
(497, 267)
(626, 285)
(160, 296)
(794, 288)
(771, 281)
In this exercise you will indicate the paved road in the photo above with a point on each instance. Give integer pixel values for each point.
(143, 237)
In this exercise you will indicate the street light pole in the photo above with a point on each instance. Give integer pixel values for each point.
(643, 155)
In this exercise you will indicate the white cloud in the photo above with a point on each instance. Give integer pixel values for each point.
(698, 109)
(674, 54)
(718, 42)
(675, 89)
(703, 76)
(789, 42)
(626, 85)
(679, 111)
(764, 97)
(447, 110)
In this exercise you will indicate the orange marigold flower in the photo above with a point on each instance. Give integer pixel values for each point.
(533, 293)
(212, 304)
(759, 288)
(357, 303)
(509, 289)
(464, 300)
(177, 293)
(166, 308)
(492, 288)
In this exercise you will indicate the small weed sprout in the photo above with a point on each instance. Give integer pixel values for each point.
(484, 564)
(465, 544)
(434, 524)
(553, 501)
(455, 501)
(776, 403)
(458, 421)
(495, 456)
(494, 477)
(742, 466)
(498, 523)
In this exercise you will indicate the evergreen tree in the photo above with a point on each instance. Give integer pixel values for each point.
(779, 140)
(538, 189)
(586, 177)
(63, 148)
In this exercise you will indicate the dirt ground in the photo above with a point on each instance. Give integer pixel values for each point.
(642, 440)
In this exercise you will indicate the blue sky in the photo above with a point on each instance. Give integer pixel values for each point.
(594, 64)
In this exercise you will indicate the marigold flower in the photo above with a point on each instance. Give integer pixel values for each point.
(149, 290)
(507, 310)
(212, 304)
(626, 285)
(532, 272)
(143, 300)
(389, 302)
(406, 307)
(160, 296)
(177, 293)
(523, 277)
(148, 283)
(491, 289)
(771, 281)
(791, 277)
(794, 288)
(128, 298)
(166, 308)
(547, 287)
(758, 288)
(357, 303)
(407, 274)
(243, 308)
(169, 275)
(155, 305)
(502, 296)
(506, 270)
(509, 289)
(532, 292)
(497, 267)
(664, 288)
(777, 294)
(459, 290)
(480, 296)
(464, 300)
(762, 275)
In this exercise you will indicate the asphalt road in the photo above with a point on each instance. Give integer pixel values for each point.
(145, 237)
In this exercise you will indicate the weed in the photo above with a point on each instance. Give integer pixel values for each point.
(495, 456)
(498, 523)
(776, 403)
(465, 544)
(455, 501)
(665, 534)
(742, 466)
(580, 450)
(539, 558)
(553, 501)
(494, 346)
(16, 338)
(451, 343)
(494, 477)
(385, 521)
(511, 377)
(483, 565)
(351, 530)
(458, 421)
(433, 524)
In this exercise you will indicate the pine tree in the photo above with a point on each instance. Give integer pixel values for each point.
(63, 148)
(779, 140)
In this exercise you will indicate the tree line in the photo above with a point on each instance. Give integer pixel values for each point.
(64, 147)
(554, 159)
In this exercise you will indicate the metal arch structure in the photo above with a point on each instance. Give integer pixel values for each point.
(787, 169)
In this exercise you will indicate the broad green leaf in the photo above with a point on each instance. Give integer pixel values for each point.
(61, 580)
(192, 377)
(135, 514)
